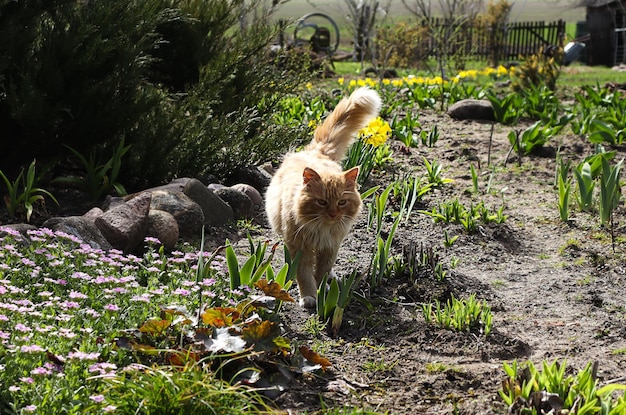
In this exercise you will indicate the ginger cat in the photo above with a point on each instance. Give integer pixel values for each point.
(311, 202)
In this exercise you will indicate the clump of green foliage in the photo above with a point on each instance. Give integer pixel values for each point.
(190, 85)
(541, 69)
(528, 390)
(407, 44)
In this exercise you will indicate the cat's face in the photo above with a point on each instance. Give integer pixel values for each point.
(331, 199)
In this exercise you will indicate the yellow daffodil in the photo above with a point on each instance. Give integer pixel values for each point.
(376, 133)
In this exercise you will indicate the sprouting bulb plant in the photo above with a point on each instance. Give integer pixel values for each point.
(24, 192)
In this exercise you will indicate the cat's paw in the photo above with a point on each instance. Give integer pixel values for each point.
(308, 302)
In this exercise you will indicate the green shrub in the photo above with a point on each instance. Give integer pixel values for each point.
(408, 44)
(190, 85)
(72, 73)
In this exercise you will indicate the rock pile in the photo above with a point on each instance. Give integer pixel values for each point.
(178, 209)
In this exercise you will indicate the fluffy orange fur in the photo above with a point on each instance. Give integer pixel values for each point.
(311, 203)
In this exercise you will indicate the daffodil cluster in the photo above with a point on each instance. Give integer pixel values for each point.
(376, 133)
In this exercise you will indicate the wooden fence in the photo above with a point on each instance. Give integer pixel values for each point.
(496, 43)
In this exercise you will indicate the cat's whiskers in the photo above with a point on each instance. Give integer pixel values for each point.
(314, 220)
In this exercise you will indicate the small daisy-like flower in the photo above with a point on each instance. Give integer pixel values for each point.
(40, 371)
(152, 240)
(22, 328)
(97, 398)
(32, 348)
(77, 295)
(83, 356)
(111, 307)
(181, 291)
(30, 408)
(109, 408)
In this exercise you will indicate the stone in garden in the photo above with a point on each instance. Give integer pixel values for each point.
(124, 226)
(472, 109)
(163, 226)
(214, 186)
(84, 228)
(240, 203)
(251, 192)
(268, 167)
(254, 176)
(216, 211)
(176, 185)
(92, 214)
(188, 214)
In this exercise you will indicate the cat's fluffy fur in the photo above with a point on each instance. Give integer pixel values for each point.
(311, 202)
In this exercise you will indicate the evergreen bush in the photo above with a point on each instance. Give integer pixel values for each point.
(189, 84)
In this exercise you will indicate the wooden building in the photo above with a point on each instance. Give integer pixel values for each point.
(606, 26)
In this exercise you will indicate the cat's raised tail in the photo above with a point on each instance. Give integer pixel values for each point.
(339, 129)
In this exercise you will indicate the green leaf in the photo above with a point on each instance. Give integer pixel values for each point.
(233, 266)
(331, 298)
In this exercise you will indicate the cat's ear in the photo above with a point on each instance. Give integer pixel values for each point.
(352, 174)
(309, 174)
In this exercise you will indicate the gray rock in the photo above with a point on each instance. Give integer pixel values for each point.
(472, 109)
(176, 185)
(81, 227)
(216, 211)
(124, 226)
(188, 213)
(163, 226)
(250, 191)
(254, 176)
(242, 205)
(93, 214)
(214, 186)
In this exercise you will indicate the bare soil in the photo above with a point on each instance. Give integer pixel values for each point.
(556, 289)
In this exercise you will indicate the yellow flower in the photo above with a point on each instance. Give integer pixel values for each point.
(341, 80)
(309, 85)
(376, 132)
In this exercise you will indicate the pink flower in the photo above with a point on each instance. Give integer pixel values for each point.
(33, 348)
(181, 291)
(40, 371)
(83, 356)
(30, 408)
(111, 307)
(76, 295)
(97, 398)
(68, 305)
(22, 328)
(28, 380)
(109, 408)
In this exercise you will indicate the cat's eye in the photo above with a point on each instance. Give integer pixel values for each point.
(342, 202)
(321, 202)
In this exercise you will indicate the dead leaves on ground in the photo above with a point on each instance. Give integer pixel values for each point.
(246, 335)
